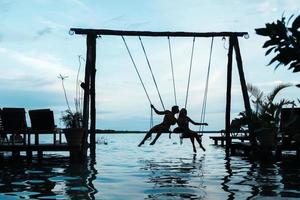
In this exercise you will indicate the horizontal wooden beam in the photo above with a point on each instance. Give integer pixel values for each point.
(100, 32)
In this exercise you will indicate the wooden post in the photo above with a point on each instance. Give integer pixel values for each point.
(244, 88)
(228, 96)
(93, 102)
(90, 59)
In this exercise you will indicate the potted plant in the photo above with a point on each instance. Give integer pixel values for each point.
(73, 121)
(74, 129)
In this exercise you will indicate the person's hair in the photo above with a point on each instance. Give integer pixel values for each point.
(183, 112)
(175, 109)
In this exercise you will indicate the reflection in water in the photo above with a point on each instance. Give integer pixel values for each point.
(165, 171)
(226, 179)
(175, 178)
(246, 179)
(52, 178)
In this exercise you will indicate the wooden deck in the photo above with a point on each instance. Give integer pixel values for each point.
(291, 147)
(39, 147)
(246, 149)
(222, 139)
(16, 149)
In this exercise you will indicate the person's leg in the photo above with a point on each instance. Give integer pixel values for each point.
(201, 146)
(156, 137)
(147, 136)
(160, 128)
(198, 140)
(193, 143)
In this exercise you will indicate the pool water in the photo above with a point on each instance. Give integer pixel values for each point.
(167, 170)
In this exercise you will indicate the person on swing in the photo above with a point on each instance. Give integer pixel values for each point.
(164, 127)
(183, 127)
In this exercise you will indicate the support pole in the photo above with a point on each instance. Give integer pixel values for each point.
(93, 105)
(90, 62)
(244, 88)
(228, 96)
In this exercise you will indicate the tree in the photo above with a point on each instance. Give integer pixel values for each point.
(284, 41)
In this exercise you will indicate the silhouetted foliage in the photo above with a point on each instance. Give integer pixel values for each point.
(266, 112)
(72, 119)
(284, 41)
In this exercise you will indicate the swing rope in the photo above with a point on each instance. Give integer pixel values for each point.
(151, 117)
(172, 68)
(190, 70)
(204, 103)
(136, 69)
(150, 68)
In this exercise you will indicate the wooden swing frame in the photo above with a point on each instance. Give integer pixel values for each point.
(89, 106)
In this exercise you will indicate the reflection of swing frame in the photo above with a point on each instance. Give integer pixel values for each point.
(90, 71)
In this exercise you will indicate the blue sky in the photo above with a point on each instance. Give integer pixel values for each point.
(35, 46)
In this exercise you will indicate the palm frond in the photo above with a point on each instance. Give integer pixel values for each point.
(271, 96)
(255, 91)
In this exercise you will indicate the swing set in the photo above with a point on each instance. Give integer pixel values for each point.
(203, 112)
(89, 108)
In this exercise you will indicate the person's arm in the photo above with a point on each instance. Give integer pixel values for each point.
(196, 123)
(157, 111)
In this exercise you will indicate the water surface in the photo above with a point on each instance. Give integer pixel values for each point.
(167, 170)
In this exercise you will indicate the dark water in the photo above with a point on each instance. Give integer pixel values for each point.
(167, 170)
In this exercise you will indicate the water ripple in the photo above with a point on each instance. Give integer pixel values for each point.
(167, 170)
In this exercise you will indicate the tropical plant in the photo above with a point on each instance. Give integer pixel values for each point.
(266, 112)
(72, 119)
(284, 41)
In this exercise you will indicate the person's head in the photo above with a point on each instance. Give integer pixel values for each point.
(175, 109)
(183, 112)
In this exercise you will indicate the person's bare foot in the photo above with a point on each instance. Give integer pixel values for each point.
(195, 151)
(141, 144)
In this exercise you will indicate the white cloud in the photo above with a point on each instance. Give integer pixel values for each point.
(29, 68)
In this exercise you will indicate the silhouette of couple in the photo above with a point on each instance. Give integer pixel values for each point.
(169, 120)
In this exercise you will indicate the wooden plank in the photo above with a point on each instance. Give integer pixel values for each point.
(40, 147)
(228, 96)
(244, 87)
(100, 32)
(232, 137)
(222, 139)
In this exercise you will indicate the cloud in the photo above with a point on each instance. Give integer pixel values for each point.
(138, 25)
(53, 25)
(81, 5)
(266, 7)
(116, 19)
(32, 70)
(43, 32)
(5, 6)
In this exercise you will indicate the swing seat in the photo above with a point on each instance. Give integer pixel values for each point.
(181, 131)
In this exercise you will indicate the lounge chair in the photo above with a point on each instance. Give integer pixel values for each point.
(14, 122)
(42, 122)
(3, 136)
